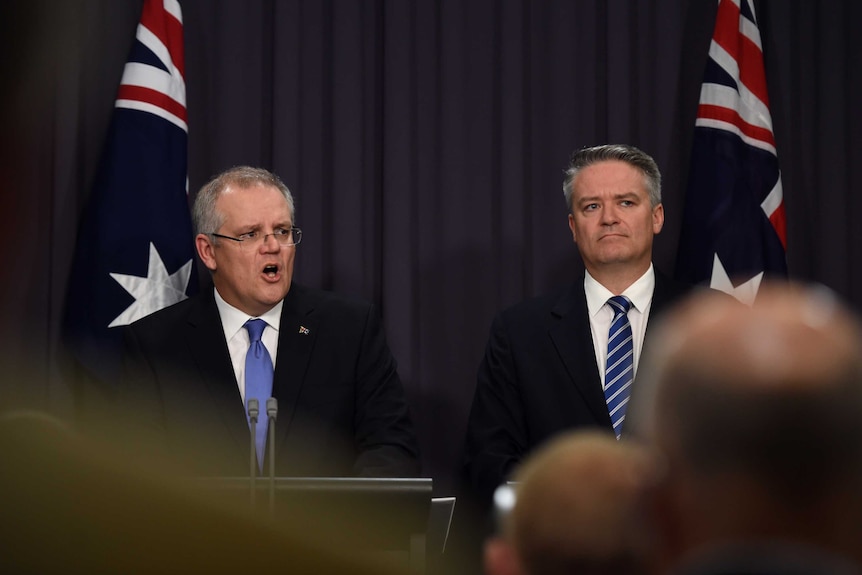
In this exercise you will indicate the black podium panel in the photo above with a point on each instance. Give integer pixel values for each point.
(349, 514)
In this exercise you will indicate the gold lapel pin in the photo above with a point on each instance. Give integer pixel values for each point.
(303, 330)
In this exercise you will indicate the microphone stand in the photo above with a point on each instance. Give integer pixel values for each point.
(272, 413)
(253, 412)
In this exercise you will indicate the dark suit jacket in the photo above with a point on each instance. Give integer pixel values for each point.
(539, 377)
(341, 405)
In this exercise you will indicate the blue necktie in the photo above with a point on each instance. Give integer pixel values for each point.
(258, 380)
(620, 367)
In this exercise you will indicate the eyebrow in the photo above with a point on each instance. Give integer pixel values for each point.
(258, 227)
(622, 196)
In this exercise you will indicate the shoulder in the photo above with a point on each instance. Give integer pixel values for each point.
(670, 287)
(305, 300)
(669, 291)
(168, 331)
(324, 298)
(171, 316)
(545, 308)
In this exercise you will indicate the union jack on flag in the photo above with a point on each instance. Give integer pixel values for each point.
(734, 228)
(135, 248)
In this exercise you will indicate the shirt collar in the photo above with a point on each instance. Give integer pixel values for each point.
(640, 292)
(233, 319)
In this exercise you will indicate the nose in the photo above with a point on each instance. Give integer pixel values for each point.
(609, 214)
(270, 243)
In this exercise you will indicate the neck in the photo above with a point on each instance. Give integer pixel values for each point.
(617, 279)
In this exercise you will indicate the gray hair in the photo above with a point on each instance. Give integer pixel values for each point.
(206, 217)
(621, 152)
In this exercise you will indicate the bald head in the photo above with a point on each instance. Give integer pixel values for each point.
(759, 386)
(578, 507)
(793, 338)
(758, 411)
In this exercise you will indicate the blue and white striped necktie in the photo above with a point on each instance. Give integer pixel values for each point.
(619, 372)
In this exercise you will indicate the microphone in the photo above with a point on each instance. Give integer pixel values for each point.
(271, 413)
(253, 412)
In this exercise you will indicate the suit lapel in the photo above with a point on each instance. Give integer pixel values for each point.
(573, 340)
(296, 337)
(207, 335)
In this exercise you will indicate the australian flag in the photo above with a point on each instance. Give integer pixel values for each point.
(135, 248)
(733, 230)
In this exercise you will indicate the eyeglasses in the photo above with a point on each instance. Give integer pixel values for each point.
(252, 240)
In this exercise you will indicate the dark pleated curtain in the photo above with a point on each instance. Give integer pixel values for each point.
(424, 142)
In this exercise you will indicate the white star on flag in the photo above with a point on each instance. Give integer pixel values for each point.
(744, 292)
(154, 292)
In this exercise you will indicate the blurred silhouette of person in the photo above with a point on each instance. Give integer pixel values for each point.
(73, 504)
(35, 38)
(757, 413)
(578, 509)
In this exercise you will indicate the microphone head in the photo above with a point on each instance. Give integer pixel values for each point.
(272, 407)
(253, 407)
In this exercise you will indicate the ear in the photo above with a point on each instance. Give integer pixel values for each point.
(206, 251)
(657, 218)
(572, 227)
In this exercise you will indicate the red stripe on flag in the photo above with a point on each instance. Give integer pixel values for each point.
(712, 112)
(154, 97)
(779, 222)
(726, 32)
(747, 54)
(167, 28)
(751, 69)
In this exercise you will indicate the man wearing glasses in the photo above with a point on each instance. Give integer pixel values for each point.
(190, 369)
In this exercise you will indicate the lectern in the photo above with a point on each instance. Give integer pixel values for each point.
(384, 518)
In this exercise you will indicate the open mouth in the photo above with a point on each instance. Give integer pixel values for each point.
(270, 270)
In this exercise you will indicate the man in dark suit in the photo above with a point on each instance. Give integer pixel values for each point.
(341, 406)
(545, 363)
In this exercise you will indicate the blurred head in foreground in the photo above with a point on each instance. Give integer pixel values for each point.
(757, 413)
(577, 510)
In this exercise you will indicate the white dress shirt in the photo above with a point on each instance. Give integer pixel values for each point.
(602, 315)
(232, 321)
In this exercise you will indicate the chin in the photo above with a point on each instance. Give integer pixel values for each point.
(276, 297)
(614, 257)
(273, 294)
